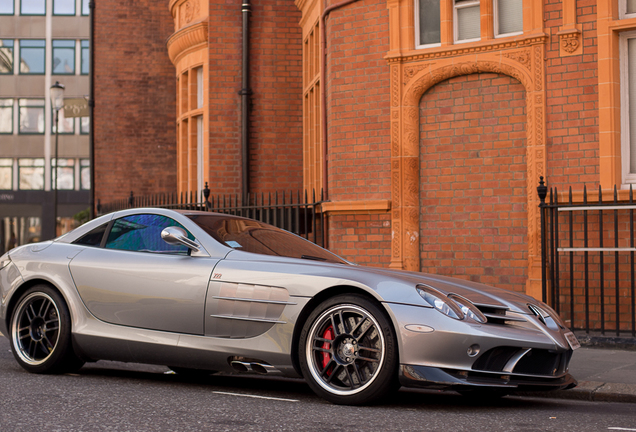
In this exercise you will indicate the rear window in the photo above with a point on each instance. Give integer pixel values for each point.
(256, 237)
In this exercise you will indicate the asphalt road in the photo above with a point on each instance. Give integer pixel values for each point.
(109, 396)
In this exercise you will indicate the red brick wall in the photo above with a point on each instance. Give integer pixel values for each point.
(359, 106)
(363, 239)
(276, 111)
(473, 180)
(572, 102)
(135, 92)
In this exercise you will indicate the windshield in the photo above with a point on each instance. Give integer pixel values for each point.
(256, 237)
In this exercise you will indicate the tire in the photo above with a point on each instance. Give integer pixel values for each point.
(40, 332)
(348, 351)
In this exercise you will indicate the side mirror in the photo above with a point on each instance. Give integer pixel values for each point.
(178, 237)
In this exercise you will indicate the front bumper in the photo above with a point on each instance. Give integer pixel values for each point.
(448, 379)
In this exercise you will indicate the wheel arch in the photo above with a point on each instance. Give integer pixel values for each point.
(17, 295)
(314, 302)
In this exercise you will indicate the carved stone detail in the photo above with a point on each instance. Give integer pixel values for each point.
(522, 57)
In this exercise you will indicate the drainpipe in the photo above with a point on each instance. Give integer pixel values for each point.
(323, 98)
(245, 93)
(91, 109)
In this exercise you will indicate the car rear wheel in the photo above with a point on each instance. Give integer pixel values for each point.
(41, 332)
(348, 351)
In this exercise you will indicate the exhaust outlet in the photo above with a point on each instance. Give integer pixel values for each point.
(244, 365)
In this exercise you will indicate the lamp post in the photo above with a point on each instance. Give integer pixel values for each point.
(57, 103)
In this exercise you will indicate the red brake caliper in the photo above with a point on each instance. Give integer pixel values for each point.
(326, 357)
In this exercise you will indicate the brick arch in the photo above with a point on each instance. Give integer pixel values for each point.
(410, 79)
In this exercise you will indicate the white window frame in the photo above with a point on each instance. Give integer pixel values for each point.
(495, 7)
(456, 21)
(622, 10)
(417, 28)
(627, 178)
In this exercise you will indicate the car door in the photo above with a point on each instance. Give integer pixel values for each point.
(136, 279)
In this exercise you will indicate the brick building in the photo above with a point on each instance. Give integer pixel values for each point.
(440, 116)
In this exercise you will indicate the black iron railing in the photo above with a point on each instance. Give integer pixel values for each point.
(297, 212)
(588, 263)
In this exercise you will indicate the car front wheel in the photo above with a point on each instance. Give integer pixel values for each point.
(41, 332)
(348, 351)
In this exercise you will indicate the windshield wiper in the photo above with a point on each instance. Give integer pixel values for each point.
(315, 258)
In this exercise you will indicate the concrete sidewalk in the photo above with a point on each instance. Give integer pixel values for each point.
(604, 374)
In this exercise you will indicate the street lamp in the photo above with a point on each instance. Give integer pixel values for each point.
(57, 103)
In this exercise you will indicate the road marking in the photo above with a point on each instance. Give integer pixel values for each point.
(620, 428)
(256, 397)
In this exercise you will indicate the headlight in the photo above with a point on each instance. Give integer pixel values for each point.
(4, 261)
(469, 309)
(440, 302)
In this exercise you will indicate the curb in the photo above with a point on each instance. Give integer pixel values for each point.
(593, 391)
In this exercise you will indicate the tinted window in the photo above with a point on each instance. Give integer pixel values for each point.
(94, 237)
(252, 236)
(142, 233)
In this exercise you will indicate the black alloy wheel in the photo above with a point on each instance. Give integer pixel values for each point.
(41, 332)
(348, 351)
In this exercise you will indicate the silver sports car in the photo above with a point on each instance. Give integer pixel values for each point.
(203, 292)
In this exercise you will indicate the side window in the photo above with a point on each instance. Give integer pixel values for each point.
(142, 233)
(94, 237)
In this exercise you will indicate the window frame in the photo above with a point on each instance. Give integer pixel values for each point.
(42, 107)
(33, 14)
(467, 4)
(12, 47)
(627, 147)
(10, 166)
(622, 10)
(88, 57)
(418, 45)
(72, 132)
(43, 48)
(495, 7)
(54, 173)
(64, 14)
(33, 165)
(84, 164)
(12, 13)
(53, 48)
(12, 108)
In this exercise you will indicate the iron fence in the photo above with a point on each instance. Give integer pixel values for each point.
(587, 255)
(294, 211)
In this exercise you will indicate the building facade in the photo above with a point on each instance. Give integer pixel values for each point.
(42, 42)
(427, 124)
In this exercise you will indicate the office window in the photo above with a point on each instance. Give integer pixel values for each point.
(6, 174)
(63, 7)
(31, 116)
(508, 17)
(67, 125)
(85, 58)
(32, 7)
(6, 116)
(63, 57)
(64, 172)
(32, 54)
(85, 174)
(85, 125)
(85, 9)
(427, 21)
(6, 56)
(31, 174)
(467, 20)
(7, 7)
(199, 72)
